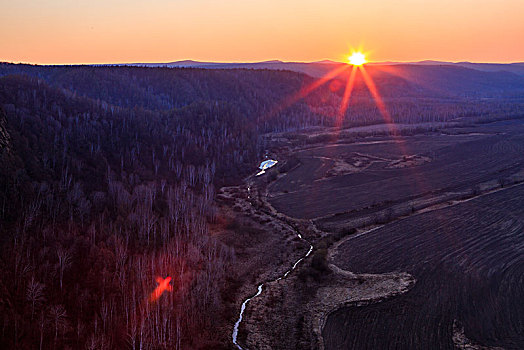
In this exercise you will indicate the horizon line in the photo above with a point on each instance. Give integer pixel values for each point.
(323, 61)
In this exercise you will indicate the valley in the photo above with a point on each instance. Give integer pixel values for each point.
(262, 175)
(403, 258)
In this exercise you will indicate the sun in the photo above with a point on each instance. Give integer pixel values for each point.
(357, 59)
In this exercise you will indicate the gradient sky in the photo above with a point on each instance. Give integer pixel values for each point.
(111, 31)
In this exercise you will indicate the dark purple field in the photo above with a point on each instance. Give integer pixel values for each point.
(454, 163)
(468, 260)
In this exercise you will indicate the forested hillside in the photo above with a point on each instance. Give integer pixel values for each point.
(96, 202)
(276, 100)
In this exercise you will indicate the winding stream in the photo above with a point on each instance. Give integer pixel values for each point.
(260, 288)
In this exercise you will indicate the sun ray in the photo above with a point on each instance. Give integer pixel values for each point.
(393, 130)
(305, 91)
(376, 96)
(405, 72)
(347, 94)
(318, 83)
(415, 176)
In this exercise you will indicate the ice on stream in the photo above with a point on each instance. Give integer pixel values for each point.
(266, 165)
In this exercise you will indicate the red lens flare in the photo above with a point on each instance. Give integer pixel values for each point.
(163, 285)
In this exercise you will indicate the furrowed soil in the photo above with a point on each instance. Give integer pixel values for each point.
(418, 243)
(396, 170)
(468, 261)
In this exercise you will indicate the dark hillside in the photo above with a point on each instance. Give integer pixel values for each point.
(96, 202)
(4, 136)
(165, 88)
(271, 99)
(430, 79)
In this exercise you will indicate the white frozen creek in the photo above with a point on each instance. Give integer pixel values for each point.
(259, 291)
(266, 165)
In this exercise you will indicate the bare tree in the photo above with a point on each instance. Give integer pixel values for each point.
(35, 294)
(58, 316)
(42, 323)
(64, 262)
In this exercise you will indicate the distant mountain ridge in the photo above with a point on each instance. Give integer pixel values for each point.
(516, 67)
(319, 68)
(424, 78)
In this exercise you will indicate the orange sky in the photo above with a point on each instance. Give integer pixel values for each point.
(110, 31)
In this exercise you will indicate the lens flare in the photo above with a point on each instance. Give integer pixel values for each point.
(357, 59)
(163, 285)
